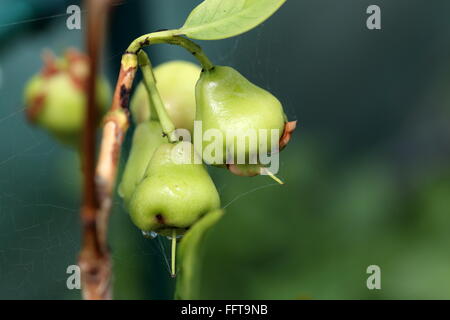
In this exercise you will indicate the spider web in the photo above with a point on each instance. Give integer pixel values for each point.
(40, 181)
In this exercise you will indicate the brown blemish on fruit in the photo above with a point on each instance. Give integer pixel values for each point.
(289, 128)
(35, 107)
(160, 219)
(234, 169)
(50, 67)
(73, 55)
(78, 68)
(79, 83)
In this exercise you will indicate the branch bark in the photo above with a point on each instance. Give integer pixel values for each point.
(115, 125)
(94, 260)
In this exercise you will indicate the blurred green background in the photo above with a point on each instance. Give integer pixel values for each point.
(367, 173)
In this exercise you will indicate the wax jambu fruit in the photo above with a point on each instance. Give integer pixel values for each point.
(147, 138)
(175, 81)
(228, 102)
(55, 98)
(175, 192)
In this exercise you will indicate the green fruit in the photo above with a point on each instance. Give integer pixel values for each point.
(147, 138)
(139, 105)
(173, 196)
(228, 102)
(176, 84)
(56, 100)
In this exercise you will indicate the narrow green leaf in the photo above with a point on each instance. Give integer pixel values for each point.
(220, 19)
(189, 256)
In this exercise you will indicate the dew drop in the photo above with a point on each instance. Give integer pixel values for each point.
(149, 234)
(179, 236)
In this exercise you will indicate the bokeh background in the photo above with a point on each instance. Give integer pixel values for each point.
(367, 173)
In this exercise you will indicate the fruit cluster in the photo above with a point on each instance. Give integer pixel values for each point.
(163, 196)
(168, 196)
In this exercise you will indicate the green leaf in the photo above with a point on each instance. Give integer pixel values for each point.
(190, 255)
(220, 19)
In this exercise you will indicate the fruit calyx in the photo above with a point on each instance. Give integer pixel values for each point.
(254, 170)
(289, 128)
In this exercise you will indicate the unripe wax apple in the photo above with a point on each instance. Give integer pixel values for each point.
(147, 138)
(175, 81)
(228, 102)
(173, 196)
(55, 98)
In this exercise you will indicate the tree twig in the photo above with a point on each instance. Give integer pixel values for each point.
(94, 258)
(115, 125)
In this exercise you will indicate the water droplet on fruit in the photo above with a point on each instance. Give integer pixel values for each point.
(179, 236)
(149, 234)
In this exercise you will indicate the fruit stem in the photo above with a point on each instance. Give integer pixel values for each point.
(170, 37)
(174, 251)
(154, 96)
(270, 174)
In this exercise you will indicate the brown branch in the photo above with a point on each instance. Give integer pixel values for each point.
(94, 258)
(115, 125)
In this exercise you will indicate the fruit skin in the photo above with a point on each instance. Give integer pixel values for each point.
(147, 138)
(176, 84)
(227, 101)
(173, 196)
(139, 104)
(55, 98)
